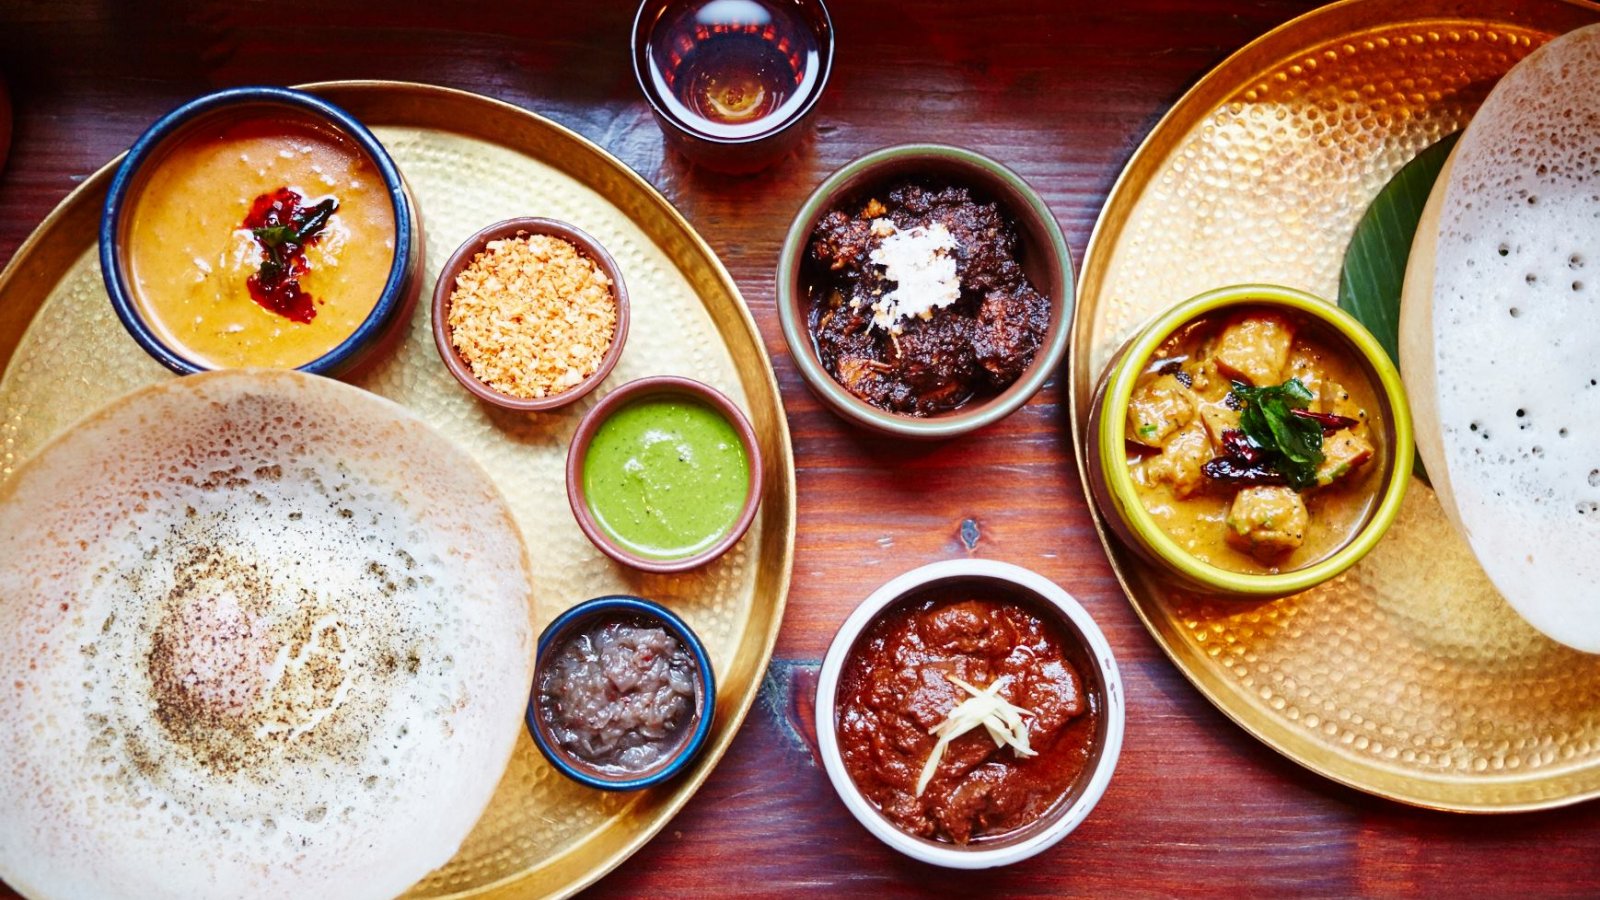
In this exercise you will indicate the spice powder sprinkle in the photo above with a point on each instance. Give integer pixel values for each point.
(532, 316)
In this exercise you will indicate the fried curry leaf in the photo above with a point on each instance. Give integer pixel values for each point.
(274, 236)
(1291, 444)
(280, 240)
(314, 219)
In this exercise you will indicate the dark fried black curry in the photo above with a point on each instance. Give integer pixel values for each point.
(940, 358)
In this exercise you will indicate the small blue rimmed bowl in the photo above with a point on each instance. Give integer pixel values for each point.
(383, 326)
(1042, 253)
(693, 733)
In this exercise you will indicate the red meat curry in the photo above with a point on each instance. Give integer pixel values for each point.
(897, 686)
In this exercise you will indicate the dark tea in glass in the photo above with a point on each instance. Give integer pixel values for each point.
(727, 78)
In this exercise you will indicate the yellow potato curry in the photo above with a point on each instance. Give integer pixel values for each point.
(1251, 441)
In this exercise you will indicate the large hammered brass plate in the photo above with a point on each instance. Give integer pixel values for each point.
(1409, 677)
(471, 161)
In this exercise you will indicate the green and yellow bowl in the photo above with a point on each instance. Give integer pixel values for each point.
(1112, 484)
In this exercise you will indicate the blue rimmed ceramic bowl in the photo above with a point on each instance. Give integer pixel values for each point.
(381, 327)
(693, 734)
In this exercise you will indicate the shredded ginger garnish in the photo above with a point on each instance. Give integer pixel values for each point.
(987, 708)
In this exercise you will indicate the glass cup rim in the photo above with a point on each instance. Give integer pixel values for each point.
(639, 46)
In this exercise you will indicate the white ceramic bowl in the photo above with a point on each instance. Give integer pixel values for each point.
(1102, 681)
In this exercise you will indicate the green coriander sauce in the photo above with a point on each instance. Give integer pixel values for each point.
(666, 477)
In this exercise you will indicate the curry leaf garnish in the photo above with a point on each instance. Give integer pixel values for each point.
(275, 236)
(1291, 444)
(274, 239)
(278, 240)
(315, 218)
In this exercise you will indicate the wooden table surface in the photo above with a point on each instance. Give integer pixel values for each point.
(1061, 92)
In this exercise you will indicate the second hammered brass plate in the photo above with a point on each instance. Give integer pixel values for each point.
(1409, 677)
(471, 161)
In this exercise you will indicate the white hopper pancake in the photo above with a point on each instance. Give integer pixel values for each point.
(1500, 337)
(261, 634)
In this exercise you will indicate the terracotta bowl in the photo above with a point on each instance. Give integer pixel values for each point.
(390, 316)
(652, 387)
(463, 256)
(1091, 656)
(1106, 456)
(1044, 258)
(699, 726)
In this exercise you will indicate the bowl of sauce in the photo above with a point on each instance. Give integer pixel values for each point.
(664, 474)
(1253, 441)
(260, 226)
(623, 694)
(970, 713)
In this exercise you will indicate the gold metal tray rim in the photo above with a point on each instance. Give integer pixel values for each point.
(1103, 238)
(781, 464)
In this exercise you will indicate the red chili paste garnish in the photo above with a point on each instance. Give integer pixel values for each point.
(284, 229)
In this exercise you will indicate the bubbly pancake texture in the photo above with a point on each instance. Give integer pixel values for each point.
(1501, 351)
(261, 634)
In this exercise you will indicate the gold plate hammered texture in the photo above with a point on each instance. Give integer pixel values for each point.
(1409, 677)
(471, 161)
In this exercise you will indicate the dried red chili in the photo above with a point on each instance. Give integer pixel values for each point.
(1330, 423)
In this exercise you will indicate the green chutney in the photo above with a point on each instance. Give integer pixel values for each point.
(666, 477)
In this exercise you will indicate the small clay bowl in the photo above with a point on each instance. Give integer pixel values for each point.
(383, 327)
(1106, 456)
(699, 727)
(1091, 655)
(1043, 255)
(640, 389)
(462, 258)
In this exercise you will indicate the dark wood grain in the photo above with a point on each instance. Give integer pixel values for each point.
(1062, 93)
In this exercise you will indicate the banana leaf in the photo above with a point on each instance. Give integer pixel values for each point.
(1375, 263)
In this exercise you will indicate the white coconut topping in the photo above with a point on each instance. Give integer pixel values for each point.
(922, 263)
